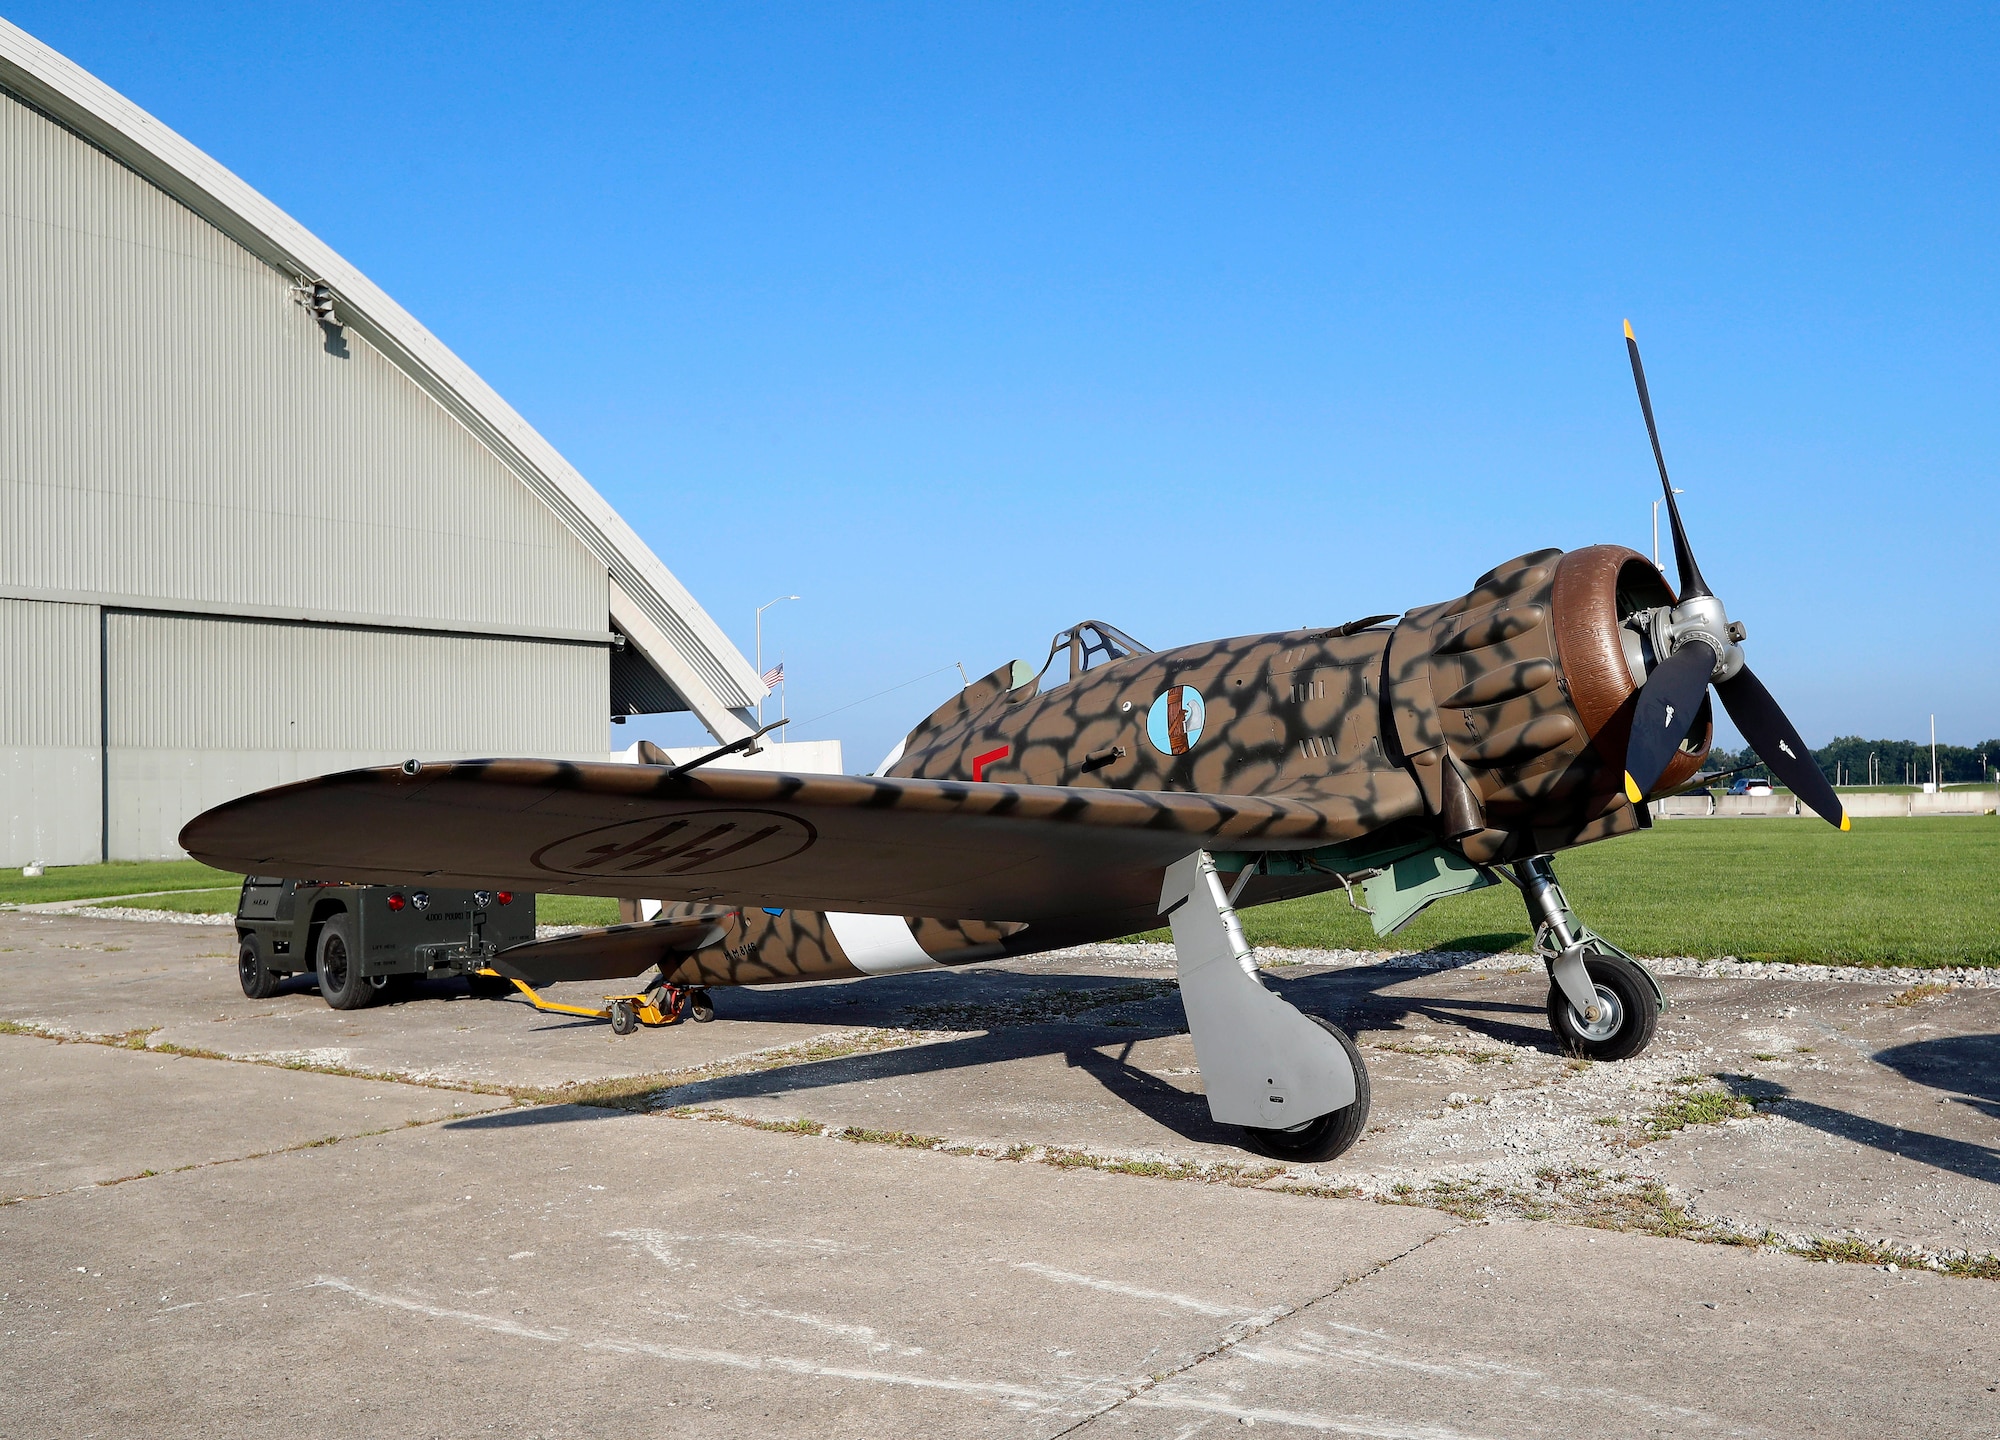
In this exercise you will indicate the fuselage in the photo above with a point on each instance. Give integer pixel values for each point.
(1492, 725)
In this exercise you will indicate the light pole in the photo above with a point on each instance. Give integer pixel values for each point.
(1656, 529)
(760, 648)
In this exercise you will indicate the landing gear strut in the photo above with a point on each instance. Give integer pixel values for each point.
(1603, 1004)
(1293, 1081)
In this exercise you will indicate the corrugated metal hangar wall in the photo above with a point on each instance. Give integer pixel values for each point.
(240, 546)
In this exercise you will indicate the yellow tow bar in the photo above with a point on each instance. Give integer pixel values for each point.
(625, 1012)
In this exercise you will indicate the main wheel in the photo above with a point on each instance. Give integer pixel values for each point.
(340, 978)
(1630, 1012)
(258, 982)
(623, 1020)
(1328, 1135)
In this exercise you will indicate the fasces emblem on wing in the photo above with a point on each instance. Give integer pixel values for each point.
(702, 842)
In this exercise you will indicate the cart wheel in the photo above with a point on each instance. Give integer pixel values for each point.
(258, 983)
(701, 1009)
(623, 1021)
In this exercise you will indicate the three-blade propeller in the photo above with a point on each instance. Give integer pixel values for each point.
(1695, 644)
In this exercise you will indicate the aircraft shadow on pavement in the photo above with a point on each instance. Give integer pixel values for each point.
(1967, 1065)
(535, 1115)
(1961, 1157)
(1365, 999)
(1360, 1000)
(1081, 1046)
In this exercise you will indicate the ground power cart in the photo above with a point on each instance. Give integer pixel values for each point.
(362, 940)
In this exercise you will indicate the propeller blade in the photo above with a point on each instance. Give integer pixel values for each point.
(1771, 735)
(1691, 582)
(1669, 703)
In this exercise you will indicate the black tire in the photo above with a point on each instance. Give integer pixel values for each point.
(489, 987)
(623, 1020)
(258, 982)
(1623, 987)
(1328, 1135)
(700, 1009)
(340, 978)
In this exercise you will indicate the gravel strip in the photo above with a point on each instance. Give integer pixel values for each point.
(127, 912)
(1157, 955)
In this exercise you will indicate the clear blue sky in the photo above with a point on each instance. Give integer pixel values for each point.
(968, 322)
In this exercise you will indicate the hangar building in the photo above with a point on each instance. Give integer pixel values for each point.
(256, 523)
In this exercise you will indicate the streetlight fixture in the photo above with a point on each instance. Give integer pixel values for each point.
(1656, 530)
(760, 648)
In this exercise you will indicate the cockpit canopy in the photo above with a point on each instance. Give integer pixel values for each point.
(1092, 643)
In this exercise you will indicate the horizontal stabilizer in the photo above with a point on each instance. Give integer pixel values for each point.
(615, 952)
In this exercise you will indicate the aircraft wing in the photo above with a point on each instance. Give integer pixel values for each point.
(950, 849)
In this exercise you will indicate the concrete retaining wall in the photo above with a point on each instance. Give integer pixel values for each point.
(1860, 805)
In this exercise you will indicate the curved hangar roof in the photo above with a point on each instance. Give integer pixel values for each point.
(648, 605)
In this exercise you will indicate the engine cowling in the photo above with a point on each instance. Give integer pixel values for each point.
(1515, 702)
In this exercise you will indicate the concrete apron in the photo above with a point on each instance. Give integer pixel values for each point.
(572, 1272)
(1872, 1118)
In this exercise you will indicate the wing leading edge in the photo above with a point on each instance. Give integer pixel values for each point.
(950, 849)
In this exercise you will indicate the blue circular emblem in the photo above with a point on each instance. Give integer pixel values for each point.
(1174, 722)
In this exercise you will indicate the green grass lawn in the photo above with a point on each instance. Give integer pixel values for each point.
(81, 882)
(188, 902)
(575, 910)
(1889, 892)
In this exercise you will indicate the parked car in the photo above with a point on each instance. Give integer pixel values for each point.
(1750, 785)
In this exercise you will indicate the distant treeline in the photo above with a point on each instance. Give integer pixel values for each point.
(1897, 762)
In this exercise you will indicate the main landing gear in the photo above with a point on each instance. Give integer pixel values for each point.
(1293, 1081)
(1603, 1004)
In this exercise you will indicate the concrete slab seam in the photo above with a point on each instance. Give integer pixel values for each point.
(1243, 1331)
(320, 1144)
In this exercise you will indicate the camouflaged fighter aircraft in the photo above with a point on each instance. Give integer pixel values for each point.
(1462, 744)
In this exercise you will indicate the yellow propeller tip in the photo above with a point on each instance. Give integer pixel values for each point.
(1628, 331)
(1845, 823)
(1632, 789)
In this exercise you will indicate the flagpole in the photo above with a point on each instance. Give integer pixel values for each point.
(760, 649)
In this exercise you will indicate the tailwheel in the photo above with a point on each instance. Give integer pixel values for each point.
(1327, 1135)
(701, 1009)
(664, 1003)
(1628, 1012)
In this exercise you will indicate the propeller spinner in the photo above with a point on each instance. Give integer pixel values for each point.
(1694, 644)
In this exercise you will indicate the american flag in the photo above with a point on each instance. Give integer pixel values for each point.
(775, 676)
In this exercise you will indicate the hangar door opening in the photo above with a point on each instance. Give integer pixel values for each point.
(199, 710)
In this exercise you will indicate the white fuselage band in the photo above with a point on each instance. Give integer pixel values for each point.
(878, 944)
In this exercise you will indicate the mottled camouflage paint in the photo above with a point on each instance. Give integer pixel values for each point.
(1517, 745)
(1494, 723)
